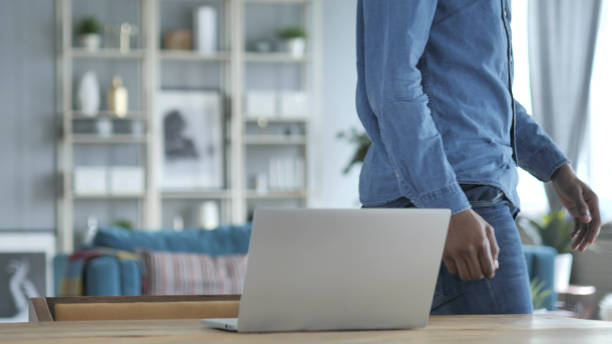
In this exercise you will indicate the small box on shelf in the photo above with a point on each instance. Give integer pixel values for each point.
(90, 181)
(126, 180)
(261, 104)
(178, 40)
(293, 104)
(271, 104)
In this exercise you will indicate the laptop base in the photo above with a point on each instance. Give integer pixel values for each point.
(227, 324)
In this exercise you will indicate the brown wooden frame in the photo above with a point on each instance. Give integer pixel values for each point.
(42, 309)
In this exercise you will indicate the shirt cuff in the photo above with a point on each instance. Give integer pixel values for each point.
(545, 162)
(449, 197)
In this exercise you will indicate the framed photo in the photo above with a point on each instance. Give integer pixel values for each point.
(23, 276)
(25, 271)
(191, 140)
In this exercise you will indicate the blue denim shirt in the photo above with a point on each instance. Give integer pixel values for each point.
(434, 95)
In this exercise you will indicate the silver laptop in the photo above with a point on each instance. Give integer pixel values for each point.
(348, 269)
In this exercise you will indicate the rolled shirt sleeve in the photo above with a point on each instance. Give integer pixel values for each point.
(395, 33)
(535, 151)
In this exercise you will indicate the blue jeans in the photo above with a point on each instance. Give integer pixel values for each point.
(507, 292)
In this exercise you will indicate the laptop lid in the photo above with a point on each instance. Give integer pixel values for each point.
(345, 269)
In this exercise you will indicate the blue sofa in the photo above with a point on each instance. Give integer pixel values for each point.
(541, 265)
(110, 276)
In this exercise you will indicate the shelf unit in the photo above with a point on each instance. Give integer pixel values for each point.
(198, 195)
(108, 54)
(108, 114)
(232, 63)
(192, 56)
(108, 197)
(274, 58)
(252, 194)
(274, 140)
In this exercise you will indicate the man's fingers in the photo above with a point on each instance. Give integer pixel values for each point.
(464, 273)
(450, 266)
(581, 236)
(474, 266)
(576, 229)
(580, 210)
(486, 262)
(578, 236)
(595, 224)
(589, 239)
(493, 245)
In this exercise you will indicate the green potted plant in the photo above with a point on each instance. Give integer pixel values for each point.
(295, 40)
(88, 33)
(123, 223)
(361, 140)
(539, 293)
(554, 230)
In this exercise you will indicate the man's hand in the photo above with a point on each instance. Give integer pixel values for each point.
(582, 204)
(470, 249)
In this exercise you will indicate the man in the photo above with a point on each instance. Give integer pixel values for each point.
(434, 94)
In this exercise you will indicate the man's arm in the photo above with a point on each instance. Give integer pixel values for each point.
(535, 151)
(539, 155)
(394, 34)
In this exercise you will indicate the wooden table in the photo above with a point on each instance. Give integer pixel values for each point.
(495, 329)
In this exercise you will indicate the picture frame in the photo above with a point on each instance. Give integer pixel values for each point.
(26, 270)
(191, 140)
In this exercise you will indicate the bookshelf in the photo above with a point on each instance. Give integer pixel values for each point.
(249, 142)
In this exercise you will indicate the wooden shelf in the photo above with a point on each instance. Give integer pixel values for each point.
(274, 140)
(273, 58)
(203, 194)
(276, 2)
(108, 197)
(273, 120)
(108, 54)
(132, 115)
(190, 55)
(252, 194)
(114, 139)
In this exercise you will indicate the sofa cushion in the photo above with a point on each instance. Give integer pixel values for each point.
(193, 274)
(540, 262)
(221, 241)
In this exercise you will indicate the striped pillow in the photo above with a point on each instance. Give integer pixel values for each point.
(193, 274)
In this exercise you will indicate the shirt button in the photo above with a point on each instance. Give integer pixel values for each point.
(505, 12)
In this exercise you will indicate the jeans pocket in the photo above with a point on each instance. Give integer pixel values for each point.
(489, 202)
(486, 302)
(439, 295)
(465, 297)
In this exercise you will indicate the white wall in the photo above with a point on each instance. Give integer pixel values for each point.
(332, 188)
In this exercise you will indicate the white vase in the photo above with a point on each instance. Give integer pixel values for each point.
(296, 47)
(209, 215)
(90, 41)
(88, 94)
(563, 270)
(104, 127)
(205, 33)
